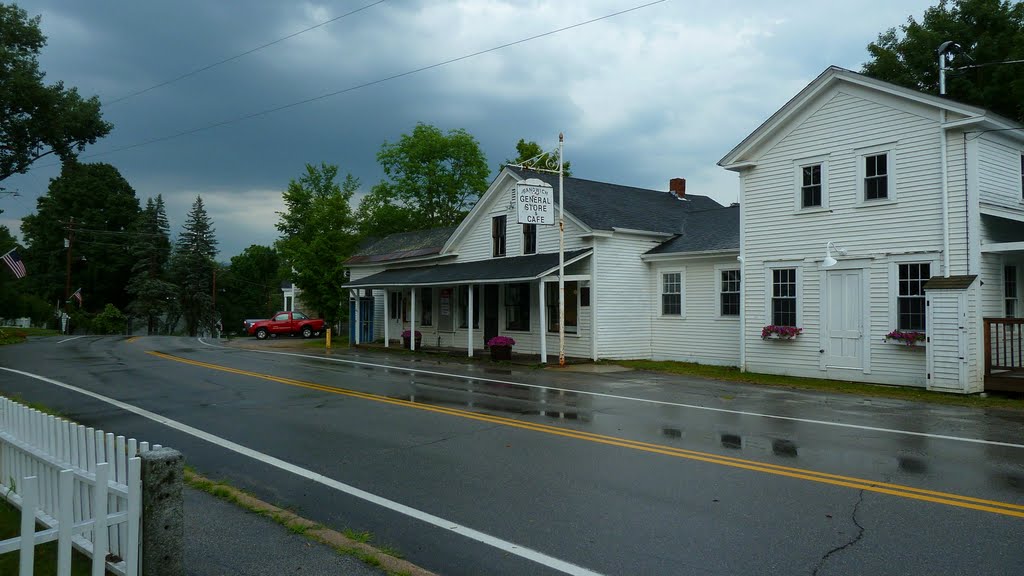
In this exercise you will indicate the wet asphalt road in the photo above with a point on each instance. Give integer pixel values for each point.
(625, 473)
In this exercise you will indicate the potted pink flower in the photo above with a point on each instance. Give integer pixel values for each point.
(908, 337)
(773, 332)
(501, 347)
(406, 337)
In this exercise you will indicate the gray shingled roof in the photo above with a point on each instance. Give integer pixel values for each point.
(603, 206)
(402, 245)
(483, 271)
(703, 231)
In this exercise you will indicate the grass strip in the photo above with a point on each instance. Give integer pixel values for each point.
(733, 374)
(348, 542)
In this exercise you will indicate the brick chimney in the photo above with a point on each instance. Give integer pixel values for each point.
(677, 186)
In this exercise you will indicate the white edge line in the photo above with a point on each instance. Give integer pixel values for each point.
(70, 339)
(645, 400)
(504, 545)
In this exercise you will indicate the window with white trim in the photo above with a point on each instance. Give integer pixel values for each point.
(529, 238)
(571, 305)
(464, 306)
(910, 302)
(876, 176)
(811, 186)
(517, 306)
(498, 236)
(1010, 290)
(729, 292)
(1022, 177)
(784, 297)
(426, 306)
(672, 294)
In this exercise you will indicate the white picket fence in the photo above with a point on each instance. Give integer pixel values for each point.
(82, 485)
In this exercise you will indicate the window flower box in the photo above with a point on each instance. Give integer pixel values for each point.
(908, 337)
(406, 336)
(501, 347)
(773, 332)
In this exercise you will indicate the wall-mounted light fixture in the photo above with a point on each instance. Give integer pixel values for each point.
(829, 261)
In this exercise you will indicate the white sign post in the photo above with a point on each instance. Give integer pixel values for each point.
(535, 202)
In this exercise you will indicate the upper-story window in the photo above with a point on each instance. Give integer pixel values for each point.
(810, 186)
(876, 176)
(910, 299)
(529, 238)
(498, 236)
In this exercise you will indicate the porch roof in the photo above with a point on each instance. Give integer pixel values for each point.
(490, 271)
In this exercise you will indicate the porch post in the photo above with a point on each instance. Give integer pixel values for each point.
(543, 325)
(358, 319)
(387, 316)
(469, 323)
(412, 319)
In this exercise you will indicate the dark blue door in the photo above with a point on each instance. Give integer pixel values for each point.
(365, 321)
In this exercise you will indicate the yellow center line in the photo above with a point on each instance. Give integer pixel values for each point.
(132, 339)
(949, 499)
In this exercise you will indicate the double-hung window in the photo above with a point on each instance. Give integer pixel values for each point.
(529, 238)
(426, 306)
(464, 306)
(784, 297)
(729, 293)
(498, 236)
(910, 303)
(876, 176)
(810, 186)
(571, 305)
(517, 306)
(1010, 290)
(672, 294)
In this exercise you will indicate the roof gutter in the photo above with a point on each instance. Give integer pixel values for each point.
(688, 255)
(636, 232)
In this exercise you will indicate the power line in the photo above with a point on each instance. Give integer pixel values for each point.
(240, 55)
(269, 111)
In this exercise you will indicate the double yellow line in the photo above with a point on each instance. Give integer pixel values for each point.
(996, 507)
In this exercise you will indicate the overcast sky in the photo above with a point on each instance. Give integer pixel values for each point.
(660, 92)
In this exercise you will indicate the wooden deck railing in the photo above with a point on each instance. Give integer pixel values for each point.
(1004, 345)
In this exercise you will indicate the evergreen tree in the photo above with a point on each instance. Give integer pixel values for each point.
(151, 248)
(193, 268)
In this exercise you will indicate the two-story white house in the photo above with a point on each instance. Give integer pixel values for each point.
(640, 275)
(867, 208)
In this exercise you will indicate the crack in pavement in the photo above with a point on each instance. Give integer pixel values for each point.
(860, 534)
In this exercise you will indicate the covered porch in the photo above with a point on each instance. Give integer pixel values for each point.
(465, 304)
(1002, 257)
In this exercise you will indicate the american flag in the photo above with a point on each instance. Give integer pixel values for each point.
(14, 262)
(78, 296)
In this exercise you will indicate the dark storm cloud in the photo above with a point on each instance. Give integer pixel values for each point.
(643, 97)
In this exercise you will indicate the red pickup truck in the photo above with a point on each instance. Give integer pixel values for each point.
(286, 323)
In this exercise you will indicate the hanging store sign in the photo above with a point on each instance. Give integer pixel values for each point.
(535, 202)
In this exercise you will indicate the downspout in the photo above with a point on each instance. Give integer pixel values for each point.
(743, 281)
(945, 194)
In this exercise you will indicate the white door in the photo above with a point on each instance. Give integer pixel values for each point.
(947, 339)
(396, 311)
(844, 319)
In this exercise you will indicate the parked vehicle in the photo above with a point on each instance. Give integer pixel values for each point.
(290, 323)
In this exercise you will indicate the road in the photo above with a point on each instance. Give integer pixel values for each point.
(471, 469)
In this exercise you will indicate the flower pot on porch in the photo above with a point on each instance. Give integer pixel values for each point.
(501, 352)
(407, 338)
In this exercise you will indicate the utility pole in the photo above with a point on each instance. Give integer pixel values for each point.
(71, 239)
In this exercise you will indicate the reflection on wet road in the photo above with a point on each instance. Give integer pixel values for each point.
(519, 399)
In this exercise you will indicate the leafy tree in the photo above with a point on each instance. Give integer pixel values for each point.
(110, 321)
(192, 269)
(37, 119)
(101, 207)
(318, 232)
(541, 159)
(252, 286)
(151, 249)
(989, 31)
(432, 180)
